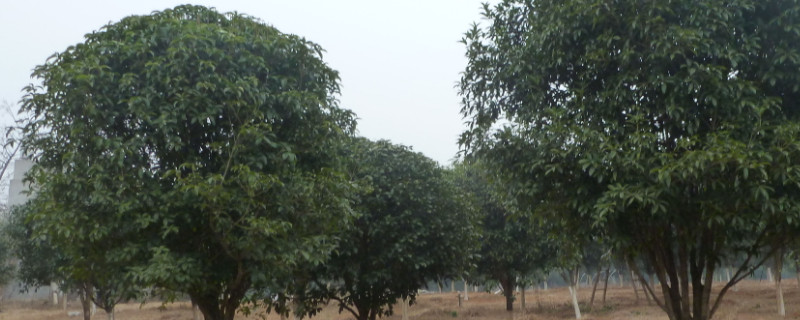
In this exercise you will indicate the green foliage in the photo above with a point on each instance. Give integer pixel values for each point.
(413, 227)
(671, 126)
(514, 247)
(194, 149)
(39, 261)
(8, 270)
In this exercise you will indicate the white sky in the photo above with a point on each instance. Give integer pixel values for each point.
(399, 61)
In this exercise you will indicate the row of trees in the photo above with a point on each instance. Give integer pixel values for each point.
(668, 129)
(194, 153)
(198, 153)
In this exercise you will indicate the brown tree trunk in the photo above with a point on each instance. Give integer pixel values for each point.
(86, 301)
(797, 271)
(594, 290)
(508, 284)
(633, 284)
(605, 286)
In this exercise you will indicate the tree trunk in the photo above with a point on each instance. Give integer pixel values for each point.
(633, 284)
(54, 292)
(508, 291)
(452, 285)
(778, 288)
(195, 312)
(86, 303)
(605, 287)
(110, 314)
(218, 306)
(797, 271)
(522, 299)
(298, 309)
(573, 292)
(573, 281)
(466, 290)
(594, 289)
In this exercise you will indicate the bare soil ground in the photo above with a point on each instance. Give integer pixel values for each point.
(753, 301)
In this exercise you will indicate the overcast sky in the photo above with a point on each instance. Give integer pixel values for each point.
(399, 61)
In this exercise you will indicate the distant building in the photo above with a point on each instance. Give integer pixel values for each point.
(17, 190)
(17, 195)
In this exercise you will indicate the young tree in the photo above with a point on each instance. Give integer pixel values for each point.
(672, 126)
(197, 149)
(413, 227)
(512, 246)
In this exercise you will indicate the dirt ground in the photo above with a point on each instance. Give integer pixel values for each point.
(753, 301)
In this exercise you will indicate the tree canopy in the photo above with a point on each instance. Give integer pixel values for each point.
(672, 126)
(196, 148)
(413, 227)
(514, 248)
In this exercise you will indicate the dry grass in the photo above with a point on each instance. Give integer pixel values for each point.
(753, 301)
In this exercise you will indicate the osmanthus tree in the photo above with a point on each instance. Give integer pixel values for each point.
(672, 126)
(84, 268)
(413, 227)
(197, 149)
(512, 247)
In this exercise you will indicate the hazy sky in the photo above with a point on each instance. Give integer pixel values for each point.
(399, 61)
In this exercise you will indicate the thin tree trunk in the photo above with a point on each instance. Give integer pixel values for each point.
(466, 290)
(797, 271)
(111, 314)
(64, 301)
(778, 288)
(522, 298)
(54, 292)
(573, 280)
(573, 292)
(594, 290)
(605, 287)
(633, 284)
(452, 285)
(769, 275)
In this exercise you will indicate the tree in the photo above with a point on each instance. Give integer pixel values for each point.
(196, 148)
(413, 227)
(41, 263)
(671, 126)
(512, 246)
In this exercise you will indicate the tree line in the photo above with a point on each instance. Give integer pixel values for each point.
(204, 154)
